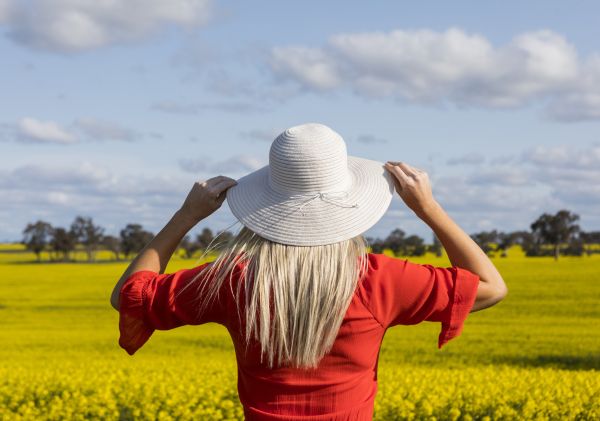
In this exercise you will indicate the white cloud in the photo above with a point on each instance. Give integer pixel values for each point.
(311, 66)
(509, 193)
(572, 173)
(95, 129)
(370, 139)
(58, 198)
(582, 102)
(499, 175)
(5, 10)
(237, 164)
(32, 130)
(494, 196)
(563, 175)
(87, 184)
(461, 194)
(176, 107)
(267, 135)
(472, 158)
(78, 25)
(84, 175)
(233, 166)
(564, 156)
(58, 193)
(428, 67)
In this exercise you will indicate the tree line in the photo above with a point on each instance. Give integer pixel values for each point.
(549, 235)
(553, 235)
(61, 242)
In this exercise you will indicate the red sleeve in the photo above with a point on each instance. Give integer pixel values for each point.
(151, 301)
(403, 293)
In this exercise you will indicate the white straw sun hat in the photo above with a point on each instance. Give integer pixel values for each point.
(312, 192)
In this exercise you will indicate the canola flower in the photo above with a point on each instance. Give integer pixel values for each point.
(207, 391)
(533, 357)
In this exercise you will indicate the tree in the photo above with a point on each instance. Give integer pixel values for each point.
(590, 238)
(486, 240)
(188, 246)
(134, 239)
(63, 242)
(555, 229)
(394, 241)
(205, 238)
(88, 234)
(224, 237)
(413, 246)
(505, 240)
(575, 247)
(436, 246)
(36, 236)
(376, 245)
(113, 244)
(527, 241)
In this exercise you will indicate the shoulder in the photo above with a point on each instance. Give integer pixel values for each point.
(226, 273)
(381, 263)
(381, 270)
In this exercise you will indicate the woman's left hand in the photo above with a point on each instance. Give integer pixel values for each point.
(205, 197)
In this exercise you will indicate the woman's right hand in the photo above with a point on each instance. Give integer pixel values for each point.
(412, 184)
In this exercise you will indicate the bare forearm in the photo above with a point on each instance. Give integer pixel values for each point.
(156, 254)
(462, 250)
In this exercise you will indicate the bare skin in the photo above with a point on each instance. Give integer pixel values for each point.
(203, 199)
(413, 186)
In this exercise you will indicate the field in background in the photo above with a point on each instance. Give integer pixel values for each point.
(535, 355)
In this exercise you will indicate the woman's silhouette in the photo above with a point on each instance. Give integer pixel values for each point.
(304, 301)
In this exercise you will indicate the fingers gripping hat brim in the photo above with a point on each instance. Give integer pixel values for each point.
(274, 216)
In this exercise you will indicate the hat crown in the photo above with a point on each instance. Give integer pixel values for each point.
(308, 158)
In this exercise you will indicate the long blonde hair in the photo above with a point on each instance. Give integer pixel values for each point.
(309, 287)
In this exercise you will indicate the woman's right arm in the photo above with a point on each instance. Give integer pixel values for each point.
(412, 184)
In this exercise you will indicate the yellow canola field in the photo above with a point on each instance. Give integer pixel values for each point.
(534, 356)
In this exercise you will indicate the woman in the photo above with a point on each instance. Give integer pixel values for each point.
(305, 304)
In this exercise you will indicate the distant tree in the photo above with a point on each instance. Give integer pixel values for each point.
(63, 243)
(486, 240)
(204, 238)
(504, 241)
(527, 241)
(134, 238)
(521, 237)
(188, 246)
(113, 244)
(555, 229)
(413, 245)
(575, 247)
(395, 241)
(224, 237)
(376, 245)
(36, 237)
(590, 238)
(436, 246)
(88, 234)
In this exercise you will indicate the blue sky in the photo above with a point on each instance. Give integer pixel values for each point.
(113, 109)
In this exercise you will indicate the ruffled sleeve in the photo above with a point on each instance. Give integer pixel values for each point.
(134, 328)
(151, 301)
(464, 292)
(400, 292)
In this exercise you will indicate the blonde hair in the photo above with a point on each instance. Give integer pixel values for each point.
(308, 287)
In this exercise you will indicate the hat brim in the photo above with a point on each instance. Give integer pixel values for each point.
(274, 216)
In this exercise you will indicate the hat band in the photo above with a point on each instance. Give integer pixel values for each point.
(335, 198)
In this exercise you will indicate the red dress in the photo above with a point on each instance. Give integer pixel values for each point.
(393, 292)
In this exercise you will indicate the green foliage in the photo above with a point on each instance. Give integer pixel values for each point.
(533, 356)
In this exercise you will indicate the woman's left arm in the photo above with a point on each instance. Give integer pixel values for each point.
(203, 199)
